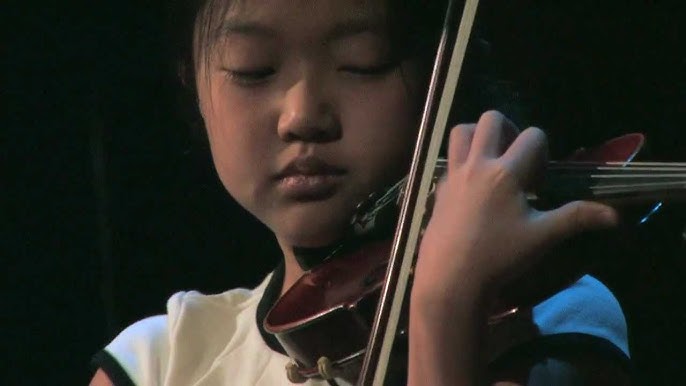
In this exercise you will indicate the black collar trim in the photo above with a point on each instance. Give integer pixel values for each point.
(269, 297)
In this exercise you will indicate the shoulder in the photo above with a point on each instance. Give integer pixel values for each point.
(136, 355)
(195, 319)
(580, 333)
(587, 310)
(584, 320)
(141, 353)
(193, 304)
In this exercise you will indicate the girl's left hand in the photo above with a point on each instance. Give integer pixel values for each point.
(483, 233)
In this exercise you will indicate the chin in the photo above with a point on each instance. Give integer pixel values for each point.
(312, 234)
(311, 226)
(318, 240)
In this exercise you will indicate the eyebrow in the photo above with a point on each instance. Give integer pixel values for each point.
(353, 27)
(241, 27)
(339, 31)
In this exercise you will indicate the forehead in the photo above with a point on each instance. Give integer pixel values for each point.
(323, 19)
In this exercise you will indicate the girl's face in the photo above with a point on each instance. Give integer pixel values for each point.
(307, 112)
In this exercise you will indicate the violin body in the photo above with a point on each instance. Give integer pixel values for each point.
(328, 312)
(324, 320)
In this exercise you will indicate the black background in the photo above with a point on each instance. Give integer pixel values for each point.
(110, 203)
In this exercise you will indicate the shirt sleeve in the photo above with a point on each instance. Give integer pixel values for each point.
(588, 308)
(138, 355)
(583, 320)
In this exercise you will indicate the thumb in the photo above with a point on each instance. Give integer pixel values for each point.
(576, 217)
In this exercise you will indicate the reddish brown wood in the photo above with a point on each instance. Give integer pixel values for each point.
(329, 311)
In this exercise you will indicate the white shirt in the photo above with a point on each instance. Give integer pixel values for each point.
(207, 340)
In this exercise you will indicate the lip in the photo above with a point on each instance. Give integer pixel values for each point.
(309, 166)
(309, 179)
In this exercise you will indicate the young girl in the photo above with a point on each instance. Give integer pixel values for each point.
(310, 106)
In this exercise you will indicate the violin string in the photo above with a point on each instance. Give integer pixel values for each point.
(618, 166)
(612, 169)
(613, 178)
(628, 183)
(650, 185)
(645, 193)
(615, 163)
(620, 170)
(622, 176)
(617, 170)
(393, 191)
(623, 164)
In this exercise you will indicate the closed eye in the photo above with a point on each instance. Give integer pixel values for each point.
(249, 77)
(380, 69)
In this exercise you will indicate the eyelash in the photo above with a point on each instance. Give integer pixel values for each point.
(256, 76)
(250, 77)
(374, 70)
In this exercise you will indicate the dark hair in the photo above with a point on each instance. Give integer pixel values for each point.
(414, 28)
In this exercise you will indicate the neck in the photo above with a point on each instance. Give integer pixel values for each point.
(293, 271)
(298, 260)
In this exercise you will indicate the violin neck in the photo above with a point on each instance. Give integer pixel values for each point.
(613, 181)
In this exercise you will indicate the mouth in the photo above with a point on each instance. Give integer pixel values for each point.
(309, 179)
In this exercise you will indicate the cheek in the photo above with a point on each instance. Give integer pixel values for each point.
(239, 147)
(385, 119)
(226, 154)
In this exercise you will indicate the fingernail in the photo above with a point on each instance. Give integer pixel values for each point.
(609, 216)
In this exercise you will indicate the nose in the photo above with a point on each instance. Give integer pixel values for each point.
(306, 115)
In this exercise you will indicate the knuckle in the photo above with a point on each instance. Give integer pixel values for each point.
(439, 189)
(455, 134)
(462, 129)
(461, 136)
(578, 217)
(502, 173)
(536, 141)
(492, 116)
(537, 135)
(494, 121)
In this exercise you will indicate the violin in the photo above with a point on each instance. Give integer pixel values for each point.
(342, 317)
(324, 320)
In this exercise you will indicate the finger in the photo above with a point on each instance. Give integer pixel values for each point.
(527, 157)
(494, 132)
(574, 218)
(459, 143)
